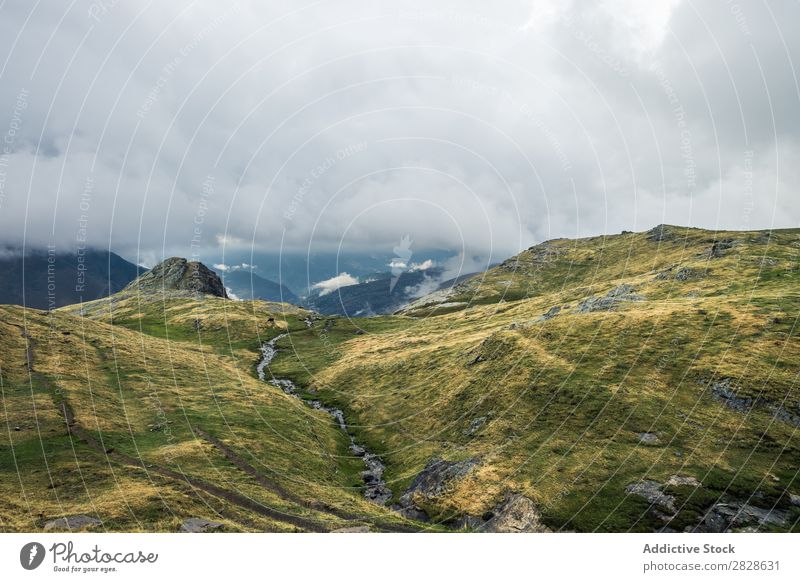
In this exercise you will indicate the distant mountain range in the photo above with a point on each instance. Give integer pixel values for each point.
(44, 280)
(381, 293)
(246, 285)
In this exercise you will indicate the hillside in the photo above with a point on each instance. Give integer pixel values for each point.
(633, 382)
(637, 382)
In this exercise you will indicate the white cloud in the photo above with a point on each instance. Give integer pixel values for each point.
(423, 266)
(424, 287)
(334, 283)
(231, 268)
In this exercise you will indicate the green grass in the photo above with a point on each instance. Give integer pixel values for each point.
(562, 400)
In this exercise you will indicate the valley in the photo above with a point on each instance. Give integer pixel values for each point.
(637, 382)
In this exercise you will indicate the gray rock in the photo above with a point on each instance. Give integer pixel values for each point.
(435, 480)
(662, 232)
(516, 514)
(681, 274)
(679, 481)
(178, 274)
(72, 523)
(551, 313)
(648, 438)
(411, 512)
(612, 299)
(199, 525)
(724, 392)
(476, 425)
(719, 248)
(794, 499)
(722, 517)
(651, 491)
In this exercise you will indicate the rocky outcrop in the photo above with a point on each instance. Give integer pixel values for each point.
(661, 233)
(437, 476)
(199, 525)
(719, 248)
(726, 391)
(475, 425)
(516, 514)
(648, 438)
(724, 517)
(651, 492)
(609, 302)
(72, 523)
(681, 274)
(178, 274)
(434, 481)
(681, 481)
(551, 313)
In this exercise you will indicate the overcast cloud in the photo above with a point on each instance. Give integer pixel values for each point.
(181, 127)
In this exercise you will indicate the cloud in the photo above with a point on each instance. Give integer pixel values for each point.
(475, 128)
(423, 266)
(424, 287)
(231, 268)
(334, 283)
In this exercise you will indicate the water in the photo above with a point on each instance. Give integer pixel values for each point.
(375, 488)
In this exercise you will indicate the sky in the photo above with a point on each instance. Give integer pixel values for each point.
(211, 129)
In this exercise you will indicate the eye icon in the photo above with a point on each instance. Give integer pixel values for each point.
(31, 555)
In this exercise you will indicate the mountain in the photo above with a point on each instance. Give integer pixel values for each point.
(299, 271)
(43, 280)
(636, 382)
(381, 293)
(247, 285)
(179, 274)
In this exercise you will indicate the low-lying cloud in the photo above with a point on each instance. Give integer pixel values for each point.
(335, 283)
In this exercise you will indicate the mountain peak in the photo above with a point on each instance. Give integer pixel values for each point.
(179, 274)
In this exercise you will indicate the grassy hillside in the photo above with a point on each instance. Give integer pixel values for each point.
(145, 430)
(629, 383)
(642, 373)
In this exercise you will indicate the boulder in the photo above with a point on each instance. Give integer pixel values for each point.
(437, 476)
(199, 525)
(723, 517)
(516, 514)
(679, 481)
(551, 313)
(72, 523)
(651, 491)
(476, 425)
(435, 480)
(660, 233)
(612, 299)
(648, 438)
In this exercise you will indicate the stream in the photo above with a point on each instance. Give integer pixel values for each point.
(375, 488)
